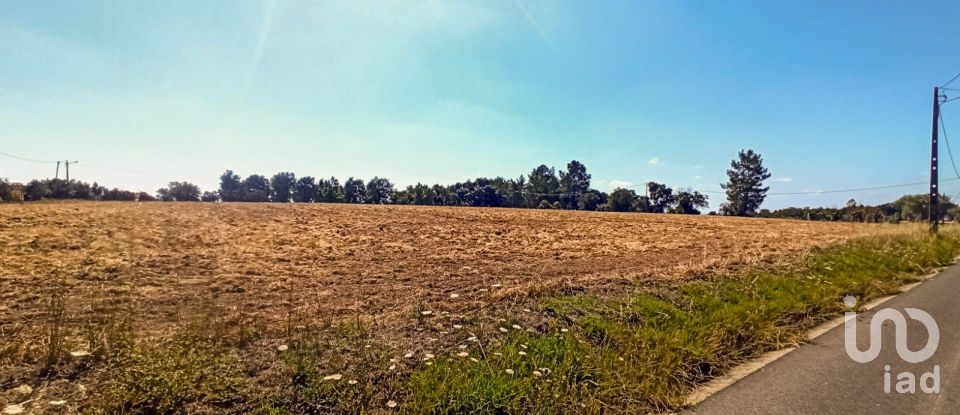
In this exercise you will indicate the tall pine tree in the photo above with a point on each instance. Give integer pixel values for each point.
(745, 189)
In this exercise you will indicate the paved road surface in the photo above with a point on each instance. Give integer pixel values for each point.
(819, 378)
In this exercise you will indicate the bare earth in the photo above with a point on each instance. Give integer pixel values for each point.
(386, 263)
(419, 280)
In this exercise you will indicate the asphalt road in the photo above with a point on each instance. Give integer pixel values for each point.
(820, 378)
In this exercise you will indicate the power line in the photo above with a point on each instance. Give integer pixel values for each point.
(858, 189)
(26, 159)
(948, 100)
(951, 80)
(949, 151)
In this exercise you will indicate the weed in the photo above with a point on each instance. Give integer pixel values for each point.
(179, 375)
(54, 333)
(647, 352)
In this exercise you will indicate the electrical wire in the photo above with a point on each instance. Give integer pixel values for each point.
(951, 80)
(26, 159)
(858, 189)
(949, 151)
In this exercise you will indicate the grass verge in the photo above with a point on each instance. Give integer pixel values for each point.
(646, 352)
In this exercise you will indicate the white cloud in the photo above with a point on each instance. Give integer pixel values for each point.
(783, 179)
(698, 177)
(614, 184)
(698, 167)
(654, 161)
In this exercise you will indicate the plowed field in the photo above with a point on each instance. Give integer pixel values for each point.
(419, 279)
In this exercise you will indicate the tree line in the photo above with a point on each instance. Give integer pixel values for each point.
(39, 189)
(543, 188)
(911, 208)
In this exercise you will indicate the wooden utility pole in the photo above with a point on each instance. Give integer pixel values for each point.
(57, 175)
(934, 212)
(68, 168)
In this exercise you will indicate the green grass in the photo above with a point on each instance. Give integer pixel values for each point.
(187, 373)
(590, 354)
(647, 352)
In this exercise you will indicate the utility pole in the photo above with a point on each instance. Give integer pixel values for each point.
(57, 175)
(934, 191)
(68, 167)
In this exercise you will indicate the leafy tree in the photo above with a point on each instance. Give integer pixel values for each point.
(142, 196)
(329, 191)
(590, 200)
(514, 192)
(379, 191)
(575, 181)
(35, 190)
(745, 189)
(917, 207)
(231, 188)
(96, 191)
(179, 192)
(6, 194)
(439, 195)
(306, 190)
(689, 202)
(660, 196)
(354, 191)
(622, 200)
(421, 194)
(125, 195)
(282, 185)
(486, 196)
(210, 197)
(542, 181)
(256, 188)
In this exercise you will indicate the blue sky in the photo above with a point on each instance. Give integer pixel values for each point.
(833, 94)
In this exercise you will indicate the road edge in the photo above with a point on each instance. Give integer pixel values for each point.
(718, 384)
